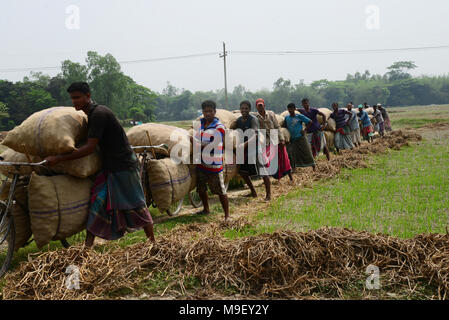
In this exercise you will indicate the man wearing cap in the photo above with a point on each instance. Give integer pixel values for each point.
(367, 128)
(270, 165)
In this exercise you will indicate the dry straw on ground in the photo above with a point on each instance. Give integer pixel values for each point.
(284, 264)
(280, 265)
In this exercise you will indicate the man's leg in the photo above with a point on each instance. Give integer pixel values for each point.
(225, 205)
(90, 237)
(266, 181)
(290, 176)
(250, 185)
(326, 152)
(204, 198)
(149, 232)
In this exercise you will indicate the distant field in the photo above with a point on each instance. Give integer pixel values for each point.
(418, 116)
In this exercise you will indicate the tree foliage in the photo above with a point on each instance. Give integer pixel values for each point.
(131, 101)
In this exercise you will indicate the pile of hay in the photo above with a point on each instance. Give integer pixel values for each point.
(284, 264)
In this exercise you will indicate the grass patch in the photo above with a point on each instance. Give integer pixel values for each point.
(402, 194)
(416, 123)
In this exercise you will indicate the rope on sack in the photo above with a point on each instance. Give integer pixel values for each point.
(39, 126)
(59, 209)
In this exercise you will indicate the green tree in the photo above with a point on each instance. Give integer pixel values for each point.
(399, 70)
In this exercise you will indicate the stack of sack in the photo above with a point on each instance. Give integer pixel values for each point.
(169, 181)
(51, 207)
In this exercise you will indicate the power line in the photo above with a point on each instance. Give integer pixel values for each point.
(279, 53)
(120, 62)
(331, 52)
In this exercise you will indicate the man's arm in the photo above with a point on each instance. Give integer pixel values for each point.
(81, 152)
(325, 119)
(350, 116)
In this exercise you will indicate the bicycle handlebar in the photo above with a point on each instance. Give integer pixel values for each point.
(149, 147)
(29, 164)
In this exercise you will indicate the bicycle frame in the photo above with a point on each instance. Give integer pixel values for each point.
(12, 190)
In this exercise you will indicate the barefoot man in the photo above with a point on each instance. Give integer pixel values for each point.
(249, 125)
(210, 136)
(117, 199)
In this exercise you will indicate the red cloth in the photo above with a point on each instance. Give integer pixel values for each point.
(367, 130)
(341, 131)
(284, 166)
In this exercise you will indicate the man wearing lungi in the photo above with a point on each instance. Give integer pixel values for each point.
(276, 167)
(342, 134)
(299, 150)
(354, 126)
(367, 127)
(386, 117)
(249, 124)
(380, 120)
(315, 134)
(117, 199)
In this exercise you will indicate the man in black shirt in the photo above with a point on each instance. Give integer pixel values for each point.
(117, 201)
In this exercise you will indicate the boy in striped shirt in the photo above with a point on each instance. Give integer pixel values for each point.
(210, 170)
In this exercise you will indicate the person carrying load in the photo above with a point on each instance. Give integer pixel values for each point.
(117, 199)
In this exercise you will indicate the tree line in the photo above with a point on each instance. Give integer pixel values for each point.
(133, 102)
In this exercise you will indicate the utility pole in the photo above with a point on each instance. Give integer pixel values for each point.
(223, 55)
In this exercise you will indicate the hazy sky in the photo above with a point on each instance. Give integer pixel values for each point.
(33, 33)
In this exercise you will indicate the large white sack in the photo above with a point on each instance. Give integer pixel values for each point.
(48, 132)
(58, 205)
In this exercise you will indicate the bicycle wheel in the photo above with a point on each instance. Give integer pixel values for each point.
(7, 238)
(175, 208)
(195, 199)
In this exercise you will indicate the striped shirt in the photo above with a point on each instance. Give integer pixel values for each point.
(213, 161)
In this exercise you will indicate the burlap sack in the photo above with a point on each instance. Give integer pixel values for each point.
(169, 182)
(286, 134)
(81, 168)
(331, 124)
(369, 110)
(160, 134)
(58, 205)
(49, 132)
(9, 155)
(226, 117)
(193, 174)
(22, 222)
(373, 120)
(329, 136)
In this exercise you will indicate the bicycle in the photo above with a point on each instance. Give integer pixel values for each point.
(7, 226)
(145, 153)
